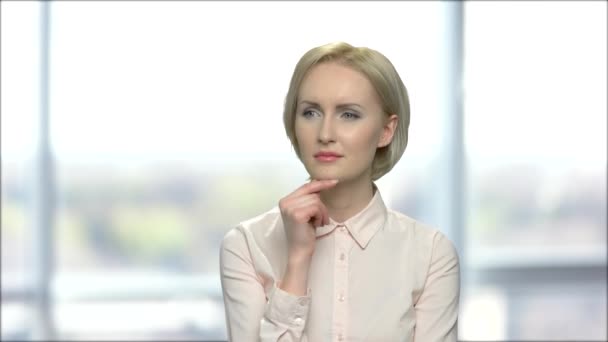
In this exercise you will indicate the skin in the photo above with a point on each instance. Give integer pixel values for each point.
(339, 111)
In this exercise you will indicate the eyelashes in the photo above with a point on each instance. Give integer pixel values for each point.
(309, 114)
(349, 115)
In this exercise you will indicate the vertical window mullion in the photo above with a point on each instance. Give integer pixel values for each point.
(43, 199)
(452, 173)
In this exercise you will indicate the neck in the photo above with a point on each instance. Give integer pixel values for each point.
(347, 198)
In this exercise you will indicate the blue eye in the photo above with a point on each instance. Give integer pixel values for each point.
(350, 115)
(309, 113)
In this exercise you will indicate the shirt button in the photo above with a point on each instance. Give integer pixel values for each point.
(302, 301)
(341, 298)
(340, 337)
(342, 256)
(298, 320)
(342, 229)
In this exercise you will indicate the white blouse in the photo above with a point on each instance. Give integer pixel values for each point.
(379, 276)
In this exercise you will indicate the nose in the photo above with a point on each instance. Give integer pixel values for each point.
(326, 131)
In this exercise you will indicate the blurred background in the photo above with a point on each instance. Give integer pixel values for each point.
(136, 134)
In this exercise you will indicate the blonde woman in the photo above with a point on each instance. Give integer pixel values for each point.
(331, 262)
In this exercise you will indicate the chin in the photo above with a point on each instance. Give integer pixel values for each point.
(320, 171)
(323, 177)
(324, 174)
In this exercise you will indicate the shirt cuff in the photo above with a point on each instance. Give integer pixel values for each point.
(286, 308)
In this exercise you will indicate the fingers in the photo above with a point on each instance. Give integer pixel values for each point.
(317, 214)
(305, 205)
(324, 214)
(307, 208)
(314, 208)
(317, 221)
(315, 186)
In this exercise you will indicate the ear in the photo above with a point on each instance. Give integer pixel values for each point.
(388, 130)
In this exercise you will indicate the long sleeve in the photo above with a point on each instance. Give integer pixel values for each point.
(437, 307)
(251, 315)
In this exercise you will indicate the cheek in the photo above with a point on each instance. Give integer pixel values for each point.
(302, 136)
(364, 139)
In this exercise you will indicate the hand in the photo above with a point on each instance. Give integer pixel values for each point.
(302, 211)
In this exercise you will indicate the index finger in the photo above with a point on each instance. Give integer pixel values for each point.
(315, 186)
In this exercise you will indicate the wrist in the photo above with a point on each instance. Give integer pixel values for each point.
(295, 277)
(299, 259)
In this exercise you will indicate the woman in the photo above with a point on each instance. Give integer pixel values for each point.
(331, 262)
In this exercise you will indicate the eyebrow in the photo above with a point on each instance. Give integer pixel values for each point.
(339, 106)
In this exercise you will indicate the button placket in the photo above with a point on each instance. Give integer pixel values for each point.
(341, 242)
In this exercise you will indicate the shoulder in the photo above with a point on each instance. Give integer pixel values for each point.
(401, 223)
(259, 243)
(254, 230)
(427, 240)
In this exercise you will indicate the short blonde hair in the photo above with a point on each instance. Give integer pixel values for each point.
(384, 78)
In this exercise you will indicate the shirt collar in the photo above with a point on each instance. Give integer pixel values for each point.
(364, 225)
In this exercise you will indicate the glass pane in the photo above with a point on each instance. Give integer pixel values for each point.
(15, 323)
(559, 312)
(15, 223)
(576, 313)
(169, 135)
(536, 142)
(535, 139)
(19, 107)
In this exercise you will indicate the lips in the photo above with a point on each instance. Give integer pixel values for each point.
(327, 154)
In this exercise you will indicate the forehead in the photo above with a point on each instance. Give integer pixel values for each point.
(333, 82)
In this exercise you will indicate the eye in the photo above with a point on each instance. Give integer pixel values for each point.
(309, 113)
(350, 115)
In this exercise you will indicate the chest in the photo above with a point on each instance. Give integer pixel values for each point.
(363, 294)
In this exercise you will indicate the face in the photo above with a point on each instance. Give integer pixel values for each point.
(340, 123)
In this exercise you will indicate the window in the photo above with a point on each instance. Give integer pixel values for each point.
(535, 113)
(20, 64)
(166, 131)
